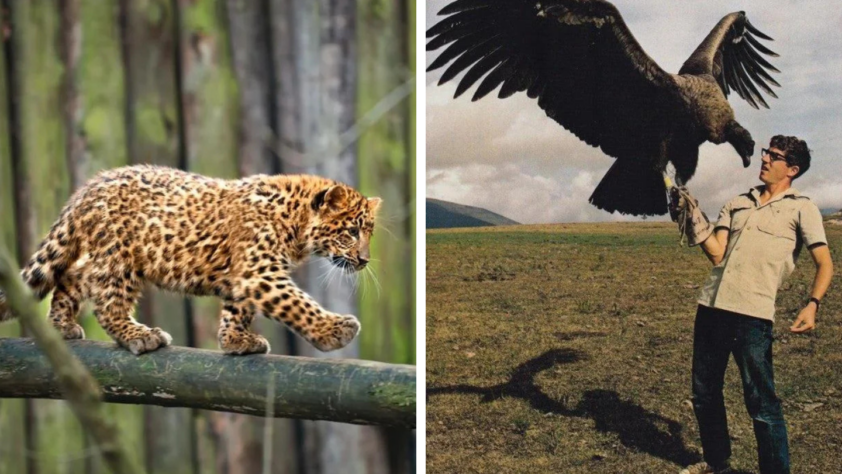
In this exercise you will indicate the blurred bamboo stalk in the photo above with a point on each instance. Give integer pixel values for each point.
(251, 45)
(386, 152)
(17, 56)
(153, 128)
(71, 49)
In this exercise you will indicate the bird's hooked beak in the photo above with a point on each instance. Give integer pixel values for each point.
(741, 140)
(746, 149)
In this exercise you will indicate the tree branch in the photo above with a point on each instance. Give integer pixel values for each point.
(350, 391)
(67, 376)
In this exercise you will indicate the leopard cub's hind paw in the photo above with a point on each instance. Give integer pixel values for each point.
(243, 343)
(147, 340)
(71, 331)
(338, 334)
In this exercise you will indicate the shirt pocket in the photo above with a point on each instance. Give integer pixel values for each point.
(739, 217)
(779, 242)
(780, 230)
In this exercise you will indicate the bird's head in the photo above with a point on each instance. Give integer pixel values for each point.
(741, 140)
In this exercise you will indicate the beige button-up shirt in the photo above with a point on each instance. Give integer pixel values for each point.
(763, 245)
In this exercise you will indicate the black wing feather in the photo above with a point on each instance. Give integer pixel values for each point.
(479, 69)
(747, 82)
(734, 81)
(743, 67)
(456, 21)
(740, 78)
(502, 72)
(760, 60)
(756, 31)
(757, 73)
(759, 46)
(463, 62)
(519, 82)
(577, 57)
(462, 5)
(733, 55)
(463, 44)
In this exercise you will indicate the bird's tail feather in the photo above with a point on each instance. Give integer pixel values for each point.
(631, 188)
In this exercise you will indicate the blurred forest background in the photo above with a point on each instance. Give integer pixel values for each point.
(225, 88)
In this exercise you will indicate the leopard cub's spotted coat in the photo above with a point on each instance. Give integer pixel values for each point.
(183, 232)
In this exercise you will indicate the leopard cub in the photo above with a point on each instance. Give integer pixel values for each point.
(238, 240)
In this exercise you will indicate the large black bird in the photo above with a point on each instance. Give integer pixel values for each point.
(589, 74)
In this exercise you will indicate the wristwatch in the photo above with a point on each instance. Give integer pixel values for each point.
(815, 300)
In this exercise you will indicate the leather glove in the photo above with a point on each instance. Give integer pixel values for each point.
(684, 209)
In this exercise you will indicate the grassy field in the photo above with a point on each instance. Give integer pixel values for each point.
(567, 349)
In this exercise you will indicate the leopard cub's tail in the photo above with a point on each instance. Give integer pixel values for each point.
(55, 254)
(5, 312)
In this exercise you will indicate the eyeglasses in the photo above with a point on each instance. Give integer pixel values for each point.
(774, 156)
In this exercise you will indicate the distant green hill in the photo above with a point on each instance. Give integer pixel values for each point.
(444, 214)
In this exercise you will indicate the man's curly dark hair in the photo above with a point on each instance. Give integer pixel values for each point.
(795, 150)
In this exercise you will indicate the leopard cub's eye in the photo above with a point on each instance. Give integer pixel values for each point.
(354, 231)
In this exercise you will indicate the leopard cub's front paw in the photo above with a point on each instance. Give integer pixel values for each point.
(336, 335)
(141, 340)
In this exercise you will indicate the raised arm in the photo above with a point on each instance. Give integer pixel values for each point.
(714, 246)
(698, 230)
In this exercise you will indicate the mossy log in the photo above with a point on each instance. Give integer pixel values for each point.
(349, 391)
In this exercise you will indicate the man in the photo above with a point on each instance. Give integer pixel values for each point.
(753, 247)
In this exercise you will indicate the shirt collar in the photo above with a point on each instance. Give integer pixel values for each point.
(754, 194)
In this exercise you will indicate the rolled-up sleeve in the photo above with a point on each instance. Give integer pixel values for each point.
(724, 220)
(810, 225)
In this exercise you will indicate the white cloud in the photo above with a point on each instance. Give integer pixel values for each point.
(539, 198)
(825, 193)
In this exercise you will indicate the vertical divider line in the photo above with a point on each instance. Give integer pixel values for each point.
(184, 164)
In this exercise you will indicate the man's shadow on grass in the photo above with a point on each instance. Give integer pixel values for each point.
(637, 428)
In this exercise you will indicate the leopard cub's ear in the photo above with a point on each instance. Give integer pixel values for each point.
(333, 198)
(374, 203)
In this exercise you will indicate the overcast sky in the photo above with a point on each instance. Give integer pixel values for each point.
(505, 155)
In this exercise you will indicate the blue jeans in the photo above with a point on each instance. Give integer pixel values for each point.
(717, 335)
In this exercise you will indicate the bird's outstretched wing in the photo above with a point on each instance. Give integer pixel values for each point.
(577, 57)
(732, 54)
